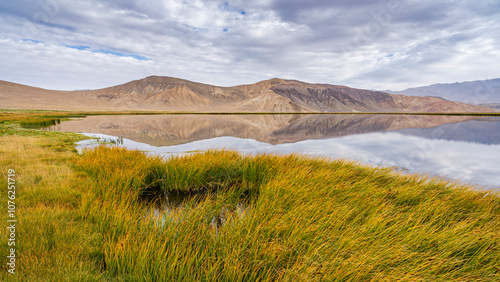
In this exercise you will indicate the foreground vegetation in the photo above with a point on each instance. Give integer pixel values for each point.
(92, 217)
(53, 242)
(306, 220)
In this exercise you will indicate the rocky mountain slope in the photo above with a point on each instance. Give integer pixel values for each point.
(471, 92)
(157, 93)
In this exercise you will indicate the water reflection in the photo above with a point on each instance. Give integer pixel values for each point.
(485, 130)
(462, 148)
(175, 205)
(166, 130)
(470, 162)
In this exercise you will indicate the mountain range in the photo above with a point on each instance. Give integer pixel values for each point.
(479, 92)
(156, 93)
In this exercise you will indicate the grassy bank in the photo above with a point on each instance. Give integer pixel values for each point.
(53, 242)
(31, 115)
(90, 217)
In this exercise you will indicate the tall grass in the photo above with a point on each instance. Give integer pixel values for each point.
(53, 242)
(306, 220)
(286, 218)
(40, 123)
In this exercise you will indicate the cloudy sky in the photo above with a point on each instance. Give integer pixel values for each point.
(387, 44)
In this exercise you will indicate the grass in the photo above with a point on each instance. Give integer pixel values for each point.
(87, 218)
(307, 220)
(40, 123)
(52, 240)
(30, 114)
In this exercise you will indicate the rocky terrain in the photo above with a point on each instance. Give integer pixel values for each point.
(157, 93)
(472, 92)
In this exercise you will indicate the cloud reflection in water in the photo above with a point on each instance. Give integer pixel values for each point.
(469, 162)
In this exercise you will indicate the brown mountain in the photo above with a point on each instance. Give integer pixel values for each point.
(157, 93)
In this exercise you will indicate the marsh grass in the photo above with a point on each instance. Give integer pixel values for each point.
(307, 220)
(40, 123)
(90, 217)
(53, 242)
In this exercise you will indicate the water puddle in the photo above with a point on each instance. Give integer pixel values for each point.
(176, 205)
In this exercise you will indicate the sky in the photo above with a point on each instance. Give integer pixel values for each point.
(387, 44)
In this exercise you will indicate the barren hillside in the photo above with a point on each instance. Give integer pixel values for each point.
(157, 93)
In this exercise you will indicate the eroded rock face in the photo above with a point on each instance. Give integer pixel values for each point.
(157, 93)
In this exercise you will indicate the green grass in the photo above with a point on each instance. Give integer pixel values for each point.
(40, 123)
(306, 220)
(90, 217)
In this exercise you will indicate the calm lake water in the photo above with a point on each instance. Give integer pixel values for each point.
(456, 147)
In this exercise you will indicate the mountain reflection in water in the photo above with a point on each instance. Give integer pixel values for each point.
(166, 130)
(459, 147)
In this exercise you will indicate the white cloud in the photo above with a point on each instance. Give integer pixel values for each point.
(42, 64)
(234, 42)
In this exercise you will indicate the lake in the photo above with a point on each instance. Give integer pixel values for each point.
(464, 148)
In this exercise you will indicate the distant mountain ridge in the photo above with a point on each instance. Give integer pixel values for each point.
(470, 92)
(157, 93)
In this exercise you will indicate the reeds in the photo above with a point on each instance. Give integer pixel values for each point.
(305, 220)
(40, 123)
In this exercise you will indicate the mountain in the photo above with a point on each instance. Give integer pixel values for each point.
(494, 106)
(471, 92)
(157, 93)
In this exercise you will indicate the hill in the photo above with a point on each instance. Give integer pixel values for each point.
(157, 93)
(471, 92)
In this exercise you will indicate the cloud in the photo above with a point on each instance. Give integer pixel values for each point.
(57, 66)
(234, 42)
